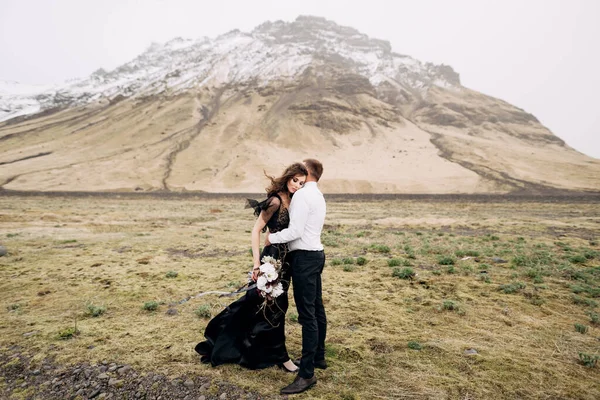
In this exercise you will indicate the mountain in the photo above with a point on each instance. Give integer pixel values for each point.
(214, 114)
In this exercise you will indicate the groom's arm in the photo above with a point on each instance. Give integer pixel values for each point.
(298, 217)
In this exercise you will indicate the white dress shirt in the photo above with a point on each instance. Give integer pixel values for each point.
(307, 216)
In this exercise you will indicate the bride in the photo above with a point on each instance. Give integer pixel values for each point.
(244, 332)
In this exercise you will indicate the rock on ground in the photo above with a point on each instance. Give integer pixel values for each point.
(25, 379)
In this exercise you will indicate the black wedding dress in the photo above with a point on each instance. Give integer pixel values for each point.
(245, 333)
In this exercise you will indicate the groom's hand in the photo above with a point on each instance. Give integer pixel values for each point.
(267, 242)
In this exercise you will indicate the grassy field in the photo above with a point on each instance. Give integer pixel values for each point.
(426, 299)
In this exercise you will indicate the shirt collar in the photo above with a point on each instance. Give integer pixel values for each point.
(311, 183)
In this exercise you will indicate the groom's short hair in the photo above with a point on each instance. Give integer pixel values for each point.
(314, 167)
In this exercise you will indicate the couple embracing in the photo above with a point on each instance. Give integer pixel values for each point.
(253, 335)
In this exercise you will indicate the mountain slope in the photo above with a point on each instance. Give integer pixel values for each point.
(212, 115)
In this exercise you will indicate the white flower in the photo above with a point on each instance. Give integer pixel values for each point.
(271, 276)
(267, 282)
(277, 290)
(269, 259)
(261, 283)
(269, 271)
(266, 268)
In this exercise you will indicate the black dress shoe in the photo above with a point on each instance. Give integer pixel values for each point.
(299, 385)
(321, 364)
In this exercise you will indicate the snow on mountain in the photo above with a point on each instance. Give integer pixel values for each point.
(17, 99)
(272, 51)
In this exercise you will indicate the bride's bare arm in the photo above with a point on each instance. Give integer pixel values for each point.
(258, 226)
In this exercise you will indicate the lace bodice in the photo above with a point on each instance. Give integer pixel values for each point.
(275, 213)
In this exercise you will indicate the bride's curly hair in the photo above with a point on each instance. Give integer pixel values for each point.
(280, 184)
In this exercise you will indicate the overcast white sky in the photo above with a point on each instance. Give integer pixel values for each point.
(540, 55)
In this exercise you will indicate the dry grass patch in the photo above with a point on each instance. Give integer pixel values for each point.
(408, 298)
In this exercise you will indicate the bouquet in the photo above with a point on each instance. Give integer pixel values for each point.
(268, 282)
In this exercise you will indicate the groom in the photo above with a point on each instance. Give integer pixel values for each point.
(307, 259)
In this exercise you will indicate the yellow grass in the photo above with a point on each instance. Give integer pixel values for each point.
(68, 252)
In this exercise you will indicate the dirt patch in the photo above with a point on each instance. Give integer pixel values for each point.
(28, 379)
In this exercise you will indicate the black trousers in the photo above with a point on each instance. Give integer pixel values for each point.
(307, 267)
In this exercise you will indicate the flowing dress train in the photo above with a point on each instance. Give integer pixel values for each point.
(246, 333)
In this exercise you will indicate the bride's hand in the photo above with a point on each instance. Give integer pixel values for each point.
(255, 273)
